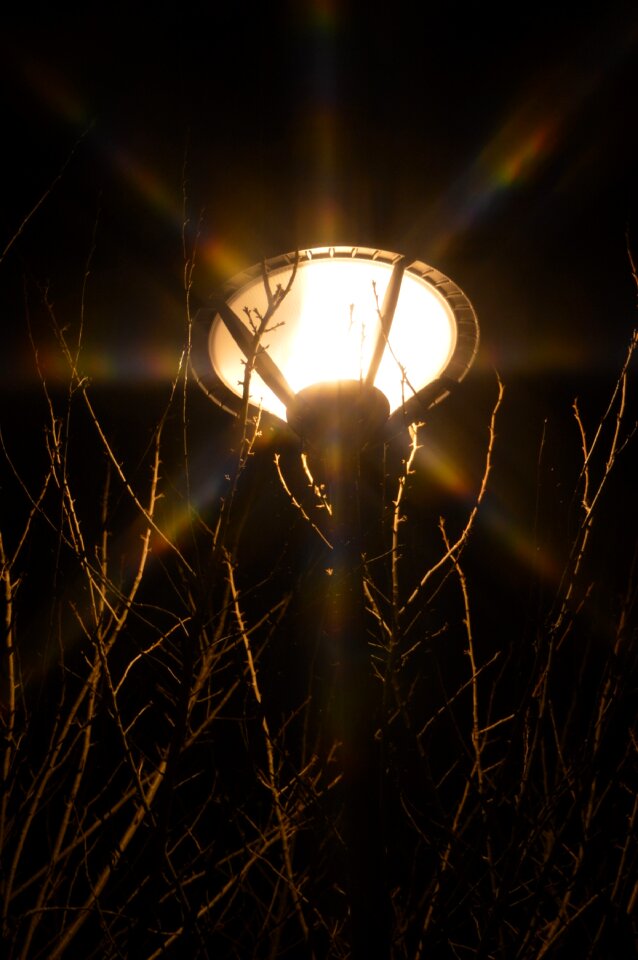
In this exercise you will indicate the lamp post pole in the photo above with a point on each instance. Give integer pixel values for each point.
(336, 420)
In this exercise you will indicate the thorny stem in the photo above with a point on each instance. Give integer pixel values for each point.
(280, 812)
(249, 426)
(318, 489)
(45, 196)
(296, 503)
(116, 855)
(590, 500)
(477, 742)
(458, 544)
(9, 705)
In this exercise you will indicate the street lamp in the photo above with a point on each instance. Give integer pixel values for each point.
(344, 345)
(352, 315)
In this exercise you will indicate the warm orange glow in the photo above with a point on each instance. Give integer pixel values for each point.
(327, 326)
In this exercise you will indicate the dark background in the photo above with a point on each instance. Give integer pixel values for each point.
(499, 147)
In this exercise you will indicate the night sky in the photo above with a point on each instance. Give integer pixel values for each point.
(499, 147)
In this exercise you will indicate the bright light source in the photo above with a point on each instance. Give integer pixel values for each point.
(329, 327)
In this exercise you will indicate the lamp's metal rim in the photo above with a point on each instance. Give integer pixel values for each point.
(465, 350)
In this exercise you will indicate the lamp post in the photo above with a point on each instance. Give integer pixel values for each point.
(345, 345)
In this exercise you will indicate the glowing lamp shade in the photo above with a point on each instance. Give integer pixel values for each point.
(350, 314)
